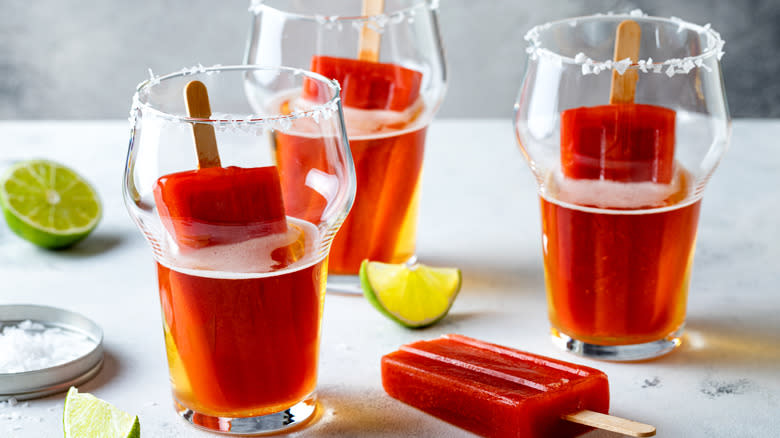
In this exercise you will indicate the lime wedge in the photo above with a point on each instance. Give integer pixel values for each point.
(86, 416)
(413, 296)
(175, 364)
(48, 204)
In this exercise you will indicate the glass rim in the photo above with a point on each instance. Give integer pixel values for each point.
(679, 65)
(258, 6)
(314, 111)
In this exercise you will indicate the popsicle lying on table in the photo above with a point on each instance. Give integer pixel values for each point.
(496, 391)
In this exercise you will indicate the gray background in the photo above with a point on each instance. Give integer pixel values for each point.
(80, 59)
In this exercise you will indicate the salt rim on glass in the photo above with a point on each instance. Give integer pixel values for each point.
(255, 123)
(670, 67)
(330, 22)
(28, 331)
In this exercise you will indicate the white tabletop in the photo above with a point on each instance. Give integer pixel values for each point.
(479, 212)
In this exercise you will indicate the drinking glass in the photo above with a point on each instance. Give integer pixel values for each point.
(620, 184)
(388, 106)
(240, 260)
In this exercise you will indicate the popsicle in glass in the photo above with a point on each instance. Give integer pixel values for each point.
(367, 85)
(240, 283)
(387, 107)
(622, 142)
(617, 276)
(221, 205)
(381, 100)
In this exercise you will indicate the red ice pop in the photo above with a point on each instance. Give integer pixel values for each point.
(366, 84)
(496, 391)
(216, 205)
(219, 205)
(622, 141)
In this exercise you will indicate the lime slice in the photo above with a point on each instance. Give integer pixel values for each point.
(175, 364)
(86, 416)
(48, 204)
(414, 296)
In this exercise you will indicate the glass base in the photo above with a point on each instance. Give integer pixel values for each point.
(349, 284)
(618, 353)
(279, 422)
(344, 284)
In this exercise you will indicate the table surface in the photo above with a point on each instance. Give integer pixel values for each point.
(479, 212)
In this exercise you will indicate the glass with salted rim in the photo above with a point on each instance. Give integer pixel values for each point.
(388, 104)
(620, 185)
(241, 264)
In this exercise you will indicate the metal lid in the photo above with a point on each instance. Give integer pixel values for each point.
(46, 381)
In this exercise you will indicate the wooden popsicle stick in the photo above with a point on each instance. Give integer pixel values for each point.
(370, 40)
(610, 423)
(626, 46)
(196, 98)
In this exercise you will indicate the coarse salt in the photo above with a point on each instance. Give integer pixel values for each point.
(30, 346)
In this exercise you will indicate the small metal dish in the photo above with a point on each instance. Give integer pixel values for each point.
(46, 381)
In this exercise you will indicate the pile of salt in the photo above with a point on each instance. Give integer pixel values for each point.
(31, 346)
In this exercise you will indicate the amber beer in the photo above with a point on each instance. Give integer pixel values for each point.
(387, 149)
(243, 345)
(617, 276)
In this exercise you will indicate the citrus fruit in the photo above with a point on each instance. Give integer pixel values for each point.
(48, 204)
(175, 364)
(86, 416)
(414, 296)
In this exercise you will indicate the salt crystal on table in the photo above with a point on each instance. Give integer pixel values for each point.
(31, 346)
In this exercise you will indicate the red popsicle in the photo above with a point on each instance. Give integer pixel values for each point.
(216, 205)
(366, 84)
(496, 391)
(622, 141)
(219, 205)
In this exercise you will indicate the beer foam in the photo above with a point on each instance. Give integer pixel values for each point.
(251, 256)
(615, 194)
(362, 122)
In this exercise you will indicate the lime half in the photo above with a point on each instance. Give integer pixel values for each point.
(48, 204)
(86, 416)
(414, 296)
